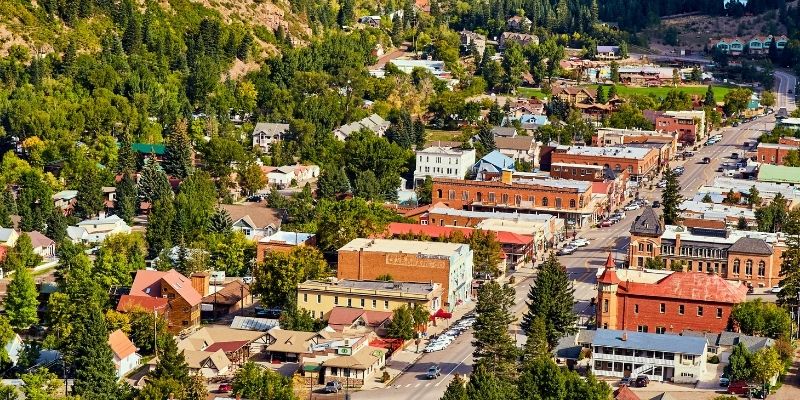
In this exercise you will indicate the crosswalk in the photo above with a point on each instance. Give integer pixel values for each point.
(415, 385)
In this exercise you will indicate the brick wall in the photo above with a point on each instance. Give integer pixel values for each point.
(772, 155)
(635, 166)
(458, 193)
(650, 315)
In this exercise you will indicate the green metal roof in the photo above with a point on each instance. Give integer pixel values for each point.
(147, 148)
(779, 174)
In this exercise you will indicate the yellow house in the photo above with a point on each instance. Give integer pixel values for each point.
(321, 297)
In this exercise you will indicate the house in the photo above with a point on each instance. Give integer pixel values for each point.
(237, 345)
(183, 300)
(232, 297)
(721, 344)
(520, 107)
(8, 237)
(439, 161)
(126, 359)
(518, 23)
(289, 175)
(42, 245)
(155, 152)
(290, 346)
(504, 131)
(371, 20)
(607, 53)
(65, 200)
(350, 319)
(353, 367)
(469, 39)
(492, 164)
(284, 242)
(619, 353)
(266, 133)
(95, 231)
(575, 95)
(523, 39)
(253, 219)
(204, 363)
(372, 123)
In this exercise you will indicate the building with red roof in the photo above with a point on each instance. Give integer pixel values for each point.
(348, 319)
(125, 357)
(151, 289)
(659, 301)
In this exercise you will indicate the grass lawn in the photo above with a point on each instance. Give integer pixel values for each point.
(719, 91)
(530, 92)
(445, 136)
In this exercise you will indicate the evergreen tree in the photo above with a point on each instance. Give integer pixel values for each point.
(551, 298)
(623, 48)
(21, 302)
(9, 201)
(486, 384)
(159, 227)
(171, 363)
(153, 183)
(34, 201)
(57, 226)
(346, 16)
(90, 200)
(671, 198)
(178, 153)
(485, 139)
(486, 252)
(126, 158)
(221, 222)
(742, 224)
(495, 116)
(612, 92)
(95, 374)
(536, 345)
(455, 390)
(601, 95)
(709, 100)
(495, 349)
(5, 214)
(614, 72)
(126, 198)
(332, 182)
(425, 191)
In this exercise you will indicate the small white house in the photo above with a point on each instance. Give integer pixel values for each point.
(97, 230)
(8, 237)
(42, 245)
(126, 359)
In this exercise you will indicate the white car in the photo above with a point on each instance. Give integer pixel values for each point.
(776, 289)
(661, 184)
(580, 242)
(430, 348)
(631, 207)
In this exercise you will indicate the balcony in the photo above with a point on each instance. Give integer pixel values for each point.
(633, 359)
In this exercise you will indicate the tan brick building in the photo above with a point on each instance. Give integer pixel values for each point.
(448, 264)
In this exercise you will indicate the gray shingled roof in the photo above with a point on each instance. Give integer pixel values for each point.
(270, 128)
(749, 245)
(647, 224)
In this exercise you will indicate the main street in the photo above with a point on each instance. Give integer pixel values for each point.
(582, 265)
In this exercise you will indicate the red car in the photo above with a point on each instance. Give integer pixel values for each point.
(225, 388)
(739, 387)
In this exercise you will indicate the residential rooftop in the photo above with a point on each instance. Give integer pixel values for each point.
(649, 341)
(405, 246)
(286, 237)
(611, 151)
(422, 288)
(444, 150)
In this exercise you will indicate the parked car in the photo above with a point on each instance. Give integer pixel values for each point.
(626, 381)
(656, 204)
(724, 381)
(776, 289)
(434, 372)
(332, 387)
(566, 250)
(721, 169)
(642, 381)
(606, 223)
(580, 242)
(735, 156)
(688, 154)
(631, 207)
(661, 184)
(224, 388)
(738, 387)
(435, 346)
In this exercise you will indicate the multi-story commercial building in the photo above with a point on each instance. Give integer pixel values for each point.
(320, 297)
(633, 161)
(773, 153)
(663, 301)
(567, 199)
(708, 246)
(443, 162)
(448, 264)
(622, 137)
(619, 353)
(689, 125)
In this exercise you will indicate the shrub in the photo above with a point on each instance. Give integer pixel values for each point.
(713, 359)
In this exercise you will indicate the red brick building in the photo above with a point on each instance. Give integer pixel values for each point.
(774, 153)
(665, 301)
(635, 162)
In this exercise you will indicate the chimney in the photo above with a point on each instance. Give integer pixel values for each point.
(506, 176)
(172, 396)
(624, 336)
(200, 281)
(678, 244)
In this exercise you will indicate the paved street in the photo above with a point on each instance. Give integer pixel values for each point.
(582, 265)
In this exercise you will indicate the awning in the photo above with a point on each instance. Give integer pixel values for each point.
(311, 367)
(443, 314)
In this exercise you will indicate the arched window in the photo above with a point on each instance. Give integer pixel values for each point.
(762, 269)
(478, 197)
(571, 203)
(748, 267)
(439, 193)
(518, 199)
(545, 202)
(736, 264)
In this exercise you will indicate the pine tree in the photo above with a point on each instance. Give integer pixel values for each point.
(221, 221)
(601, 95)
(486, 384)
(455, 390)
(495, 114)
(171, 362)
(90, 200)
(671, 198)
(95, 374)
(402, 324)
(486, 138)
(126, 198)
(159, 228)
(495, 349)
(9, 201)
(57, 226)
(536, 346)
(709, 100)
(551, 298)
(178, 155)
(153, 183)
(21, 301)
(332, 182)
(126, 158)
(612, 92)
(5, 214)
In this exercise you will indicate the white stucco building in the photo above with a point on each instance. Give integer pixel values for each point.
(443, 162)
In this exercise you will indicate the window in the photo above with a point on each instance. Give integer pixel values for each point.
(641, 328)
(748, 267)
(336, 300)
(719, 312)
(736, 264)
(517, 199)
(362, 303)
(374, 303)
(386, 304)
(305, 297)
(465, 196)
(491, 197)
(681, 309)
(662, 307)
(479, 197)
(451, 194)
(605, 305)
(349, 302)
(661, 330)
(319, 298)
(505, 198)
(571, 203)
(641, 246)
(635, 308)
(762, 269)
(532, 200)
(558, 202)
(699, 311)
(605, 325)
(545, 202)
(185, 323)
